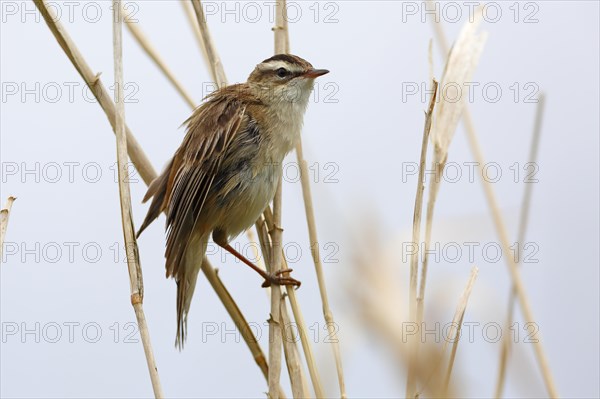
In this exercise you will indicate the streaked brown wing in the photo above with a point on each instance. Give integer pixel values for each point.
(195, 164)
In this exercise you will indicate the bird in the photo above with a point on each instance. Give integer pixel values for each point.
(227, 168)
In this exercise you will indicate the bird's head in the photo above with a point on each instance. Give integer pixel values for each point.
(284, 77)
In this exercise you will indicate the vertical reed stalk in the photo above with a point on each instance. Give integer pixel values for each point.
(453, 334)
(131, 248)
(457, 321)
(416, 234)
(275, 325)
(302, 330)
(290, 350)
(314, 245)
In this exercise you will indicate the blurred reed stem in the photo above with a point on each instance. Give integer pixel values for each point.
(523, 224)
(4, 215)
(501, 230)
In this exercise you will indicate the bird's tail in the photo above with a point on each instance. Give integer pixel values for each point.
(186, 283)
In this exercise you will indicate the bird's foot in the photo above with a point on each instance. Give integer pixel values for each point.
(277, 278)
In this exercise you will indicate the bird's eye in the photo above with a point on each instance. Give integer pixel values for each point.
(282, 72)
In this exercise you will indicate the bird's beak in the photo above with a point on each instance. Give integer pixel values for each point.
(315, 73)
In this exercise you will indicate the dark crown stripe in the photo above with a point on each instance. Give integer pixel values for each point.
(292, 59)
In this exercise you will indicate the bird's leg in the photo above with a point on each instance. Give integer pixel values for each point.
(270, 278)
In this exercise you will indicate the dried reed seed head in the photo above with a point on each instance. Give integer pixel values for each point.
(461, 63)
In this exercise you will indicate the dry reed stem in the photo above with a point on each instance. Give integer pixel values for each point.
(434, 186)
(282, 45)
(523, 223)
(275, 326)
(457, 321)
(216, 68)
(143, 41)
(299, 317)
(275, 323)
(263, 226)
(422, 282)
(314, 244)
(454, 332)
(452, 356)
(416, 234)
(294, 365)
(144, 167)
(131, 248)
(502, 232)
(136, 154)
(4, 215)
(191, 17)
(459, 68)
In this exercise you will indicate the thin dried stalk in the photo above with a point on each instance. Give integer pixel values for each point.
(143, 41)
(294, 365)
(297, 379)
(4, 214)
(298, 316)
(282, 26)
(282, 45)
(275, 326)
(131, 248)
(191, 17)
(461, 63)
(457, 321)
(142, 164)
(275, 323)
(136, 154)
(428, 221)
(502, 232)
(434, 186)
(453, 356)
(216, 68)
(314, 245)
(525, 205)
(416, 234)
(454, 333)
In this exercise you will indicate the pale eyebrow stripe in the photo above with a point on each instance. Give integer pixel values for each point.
(273, 65)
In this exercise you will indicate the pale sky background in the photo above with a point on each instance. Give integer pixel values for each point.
(60, 280)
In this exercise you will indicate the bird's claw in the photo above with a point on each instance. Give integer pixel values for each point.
(278, 279)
